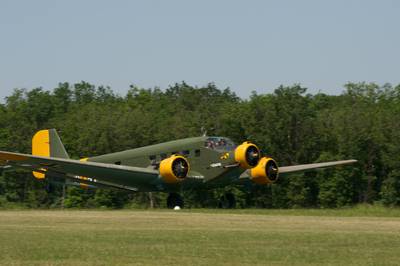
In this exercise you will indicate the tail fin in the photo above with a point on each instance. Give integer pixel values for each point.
(47, 143)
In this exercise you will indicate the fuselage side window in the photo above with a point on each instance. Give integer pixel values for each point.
(153, 160)
(185, 153)
(197, 153)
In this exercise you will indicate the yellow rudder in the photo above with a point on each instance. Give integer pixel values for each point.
(41, 147)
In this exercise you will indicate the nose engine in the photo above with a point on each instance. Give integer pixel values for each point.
(174, 169)
(247, 155)
(265, 172)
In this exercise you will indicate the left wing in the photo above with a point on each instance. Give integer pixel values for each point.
(124, 176)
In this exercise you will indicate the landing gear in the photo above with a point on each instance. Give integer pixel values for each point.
(227, 201)
(173, 200)
(49, 187)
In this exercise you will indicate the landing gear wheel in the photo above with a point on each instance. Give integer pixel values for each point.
(49, 188)
(227, 201)
(173, 200)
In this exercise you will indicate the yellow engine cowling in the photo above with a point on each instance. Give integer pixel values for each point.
(174, 169)
(265, 172)
(247, 155)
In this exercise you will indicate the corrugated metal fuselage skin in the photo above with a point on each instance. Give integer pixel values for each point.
(202, 162)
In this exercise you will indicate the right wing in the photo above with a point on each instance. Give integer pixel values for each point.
(132, 178)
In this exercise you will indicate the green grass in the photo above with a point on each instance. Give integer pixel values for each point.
(362, 210)
(200, 237)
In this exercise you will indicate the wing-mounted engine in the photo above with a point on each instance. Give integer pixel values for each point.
(247, 155)
(174, 169)
(265, 172)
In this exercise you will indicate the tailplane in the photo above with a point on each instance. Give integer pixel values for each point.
(47, 143)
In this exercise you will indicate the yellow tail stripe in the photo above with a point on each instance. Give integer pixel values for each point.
(39, 175)
(41, 143)
(41, 147)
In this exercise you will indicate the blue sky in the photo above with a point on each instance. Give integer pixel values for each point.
(244, 45)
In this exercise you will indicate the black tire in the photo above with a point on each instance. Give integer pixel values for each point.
(227, 201)
(173, 200)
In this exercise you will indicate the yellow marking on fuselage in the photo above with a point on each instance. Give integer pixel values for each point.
(225, 156)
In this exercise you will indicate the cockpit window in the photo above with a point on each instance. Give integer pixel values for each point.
(219, 143)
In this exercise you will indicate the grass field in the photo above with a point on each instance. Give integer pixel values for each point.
(200, 237)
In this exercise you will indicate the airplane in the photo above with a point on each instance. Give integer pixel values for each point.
(171, 167)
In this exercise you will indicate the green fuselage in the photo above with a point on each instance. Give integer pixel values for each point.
(207, 163)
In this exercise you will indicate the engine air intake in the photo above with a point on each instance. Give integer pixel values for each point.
(247, 155)
(174, 169)
(265, 172)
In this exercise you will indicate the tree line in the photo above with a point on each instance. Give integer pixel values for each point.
(289, 124)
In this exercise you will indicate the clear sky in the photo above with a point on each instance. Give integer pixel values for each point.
(244, 45)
